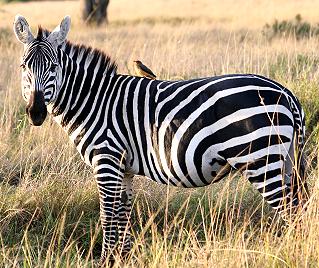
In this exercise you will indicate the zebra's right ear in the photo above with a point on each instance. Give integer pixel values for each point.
(59, 34)
(22, 30)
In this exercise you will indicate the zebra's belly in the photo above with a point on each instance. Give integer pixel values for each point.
(211, 170)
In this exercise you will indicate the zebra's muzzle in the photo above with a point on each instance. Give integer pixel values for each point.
(36, 108)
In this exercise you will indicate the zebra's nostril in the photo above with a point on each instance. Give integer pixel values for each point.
(37, 118)
(36, 109)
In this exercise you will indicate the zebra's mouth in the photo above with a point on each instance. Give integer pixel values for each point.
(36, 109)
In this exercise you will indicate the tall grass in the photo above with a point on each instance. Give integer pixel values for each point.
(49, 207)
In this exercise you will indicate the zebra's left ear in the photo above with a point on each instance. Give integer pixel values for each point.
(58, 35)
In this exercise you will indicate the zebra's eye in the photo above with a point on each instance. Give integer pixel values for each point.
(22, 65)
(53, 67)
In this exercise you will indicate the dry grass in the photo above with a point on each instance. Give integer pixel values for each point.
(228, 14)
(48, 199)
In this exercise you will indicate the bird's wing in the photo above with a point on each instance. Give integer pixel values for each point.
(147, 70)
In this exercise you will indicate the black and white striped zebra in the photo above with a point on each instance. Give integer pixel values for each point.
(182, 133)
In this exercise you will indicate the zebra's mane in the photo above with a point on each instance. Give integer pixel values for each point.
(97, 55)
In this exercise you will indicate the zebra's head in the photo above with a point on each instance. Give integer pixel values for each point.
(41, 69)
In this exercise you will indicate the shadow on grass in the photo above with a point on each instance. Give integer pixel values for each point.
(62, 220)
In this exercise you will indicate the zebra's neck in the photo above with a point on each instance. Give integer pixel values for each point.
(85, 73)
(95, 105)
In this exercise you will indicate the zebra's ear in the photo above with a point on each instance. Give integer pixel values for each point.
(22, 30)
(58, 35)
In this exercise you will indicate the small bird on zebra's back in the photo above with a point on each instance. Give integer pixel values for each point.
(141, 70)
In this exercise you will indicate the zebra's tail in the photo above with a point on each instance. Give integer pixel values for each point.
(298, 181)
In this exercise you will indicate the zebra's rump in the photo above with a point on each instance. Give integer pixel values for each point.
(203, 127)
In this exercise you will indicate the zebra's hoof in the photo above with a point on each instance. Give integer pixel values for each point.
(125, 256)
(105, 263)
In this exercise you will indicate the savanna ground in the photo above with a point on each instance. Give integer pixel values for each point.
(49, 207)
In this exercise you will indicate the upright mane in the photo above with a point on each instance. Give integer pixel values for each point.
(73, 50)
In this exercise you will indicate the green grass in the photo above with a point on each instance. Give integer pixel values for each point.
(297, 27)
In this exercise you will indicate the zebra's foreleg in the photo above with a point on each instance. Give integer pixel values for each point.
(109, 173)
(124, 225)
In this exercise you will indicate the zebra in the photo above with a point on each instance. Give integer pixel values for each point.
(187, 133)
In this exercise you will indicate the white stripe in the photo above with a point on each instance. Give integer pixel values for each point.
(266, 182)
(264, 169)
(274, 149)
(278, 199)
(108, 166)
(266, 194)
(98, 157)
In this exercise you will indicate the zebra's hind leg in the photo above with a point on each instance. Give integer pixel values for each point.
(272, 175)
(294, 172)
(124, 224)
(277, 179)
